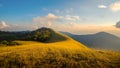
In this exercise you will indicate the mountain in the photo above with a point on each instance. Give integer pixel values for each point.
(66, 53)
(101, 40)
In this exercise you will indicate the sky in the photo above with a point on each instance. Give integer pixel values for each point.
(74, 16)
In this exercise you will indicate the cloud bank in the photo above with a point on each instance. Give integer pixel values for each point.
(16, 27)
(45, 21)
(3, 25)
(115, 6)
(102, 6)
(51, 19)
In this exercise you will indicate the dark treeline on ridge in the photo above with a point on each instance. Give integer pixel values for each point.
(42, 35)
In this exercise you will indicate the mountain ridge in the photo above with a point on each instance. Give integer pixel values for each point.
(102, 40)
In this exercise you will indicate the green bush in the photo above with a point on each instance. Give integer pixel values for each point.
(4, 42)
(8, 43)
(13, 43)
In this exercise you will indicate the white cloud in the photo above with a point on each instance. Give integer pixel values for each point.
(102, 6)
(19, 27)
(16, 27)
(51, 19)
(70, 18)
(3, 25)
(45, 21)
(51, 16)
(115, 6)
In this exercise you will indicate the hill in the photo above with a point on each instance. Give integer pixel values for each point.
(45, 35)
(101, 40)
(61, 54)
(53, 36)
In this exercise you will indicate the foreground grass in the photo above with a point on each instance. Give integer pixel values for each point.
(65, 54)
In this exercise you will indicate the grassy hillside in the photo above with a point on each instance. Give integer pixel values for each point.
(64, 54)
(43, 34)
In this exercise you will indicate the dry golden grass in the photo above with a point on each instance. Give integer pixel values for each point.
(64, 54)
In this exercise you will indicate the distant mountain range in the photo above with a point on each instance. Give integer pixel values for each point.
(101, 40)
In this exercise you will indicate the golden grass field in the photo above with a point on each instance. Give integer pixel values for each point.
(62, 54)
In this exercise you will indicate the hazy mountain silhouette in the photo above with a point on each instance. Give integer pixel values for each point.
(100, 40)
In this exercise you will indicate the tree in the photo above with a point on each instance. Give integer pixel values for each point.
(41, 35)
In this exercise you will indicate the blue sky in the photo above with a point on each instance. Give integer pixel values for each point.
(59, 13)
(24, 10)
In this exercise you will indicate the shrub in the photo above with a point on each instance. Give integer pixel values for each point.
(4, 42)
(13, 43)
(8, 43)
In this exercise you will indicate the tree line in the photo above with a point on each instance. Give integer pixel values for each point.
(41, 35)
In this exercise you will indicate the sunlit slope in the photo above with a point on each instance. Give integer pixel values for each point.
(68, 43)
(62, 54)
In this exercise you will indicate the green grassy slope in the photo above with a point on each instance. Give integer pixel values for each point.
(62, 54)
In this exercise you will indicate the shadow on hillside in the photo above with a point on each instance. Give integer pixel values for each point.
(55, 38)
